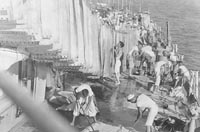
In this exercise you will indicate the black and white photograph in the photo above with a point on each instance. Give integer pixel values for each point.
(99, 65)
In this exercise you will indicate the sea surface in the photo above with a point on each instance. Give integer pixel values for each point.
(184, 21)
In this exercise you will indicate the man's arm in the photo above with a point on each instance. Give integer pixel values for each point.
(139, 115)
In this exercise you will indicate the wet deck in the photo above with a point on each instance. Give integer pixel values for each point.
(114, 109)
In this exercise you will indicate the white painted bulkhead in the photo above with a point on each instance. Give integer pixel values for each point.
(9, 62)
(33, 77)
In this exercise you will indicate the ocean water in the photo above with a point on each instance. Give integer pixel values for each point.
(184, 20)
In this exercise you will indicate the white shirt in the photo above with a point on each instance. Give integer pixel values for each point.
(143, 101)
(159, 64)
(185, 71)
(143, 32)
(169, 63)
(151, 26)
(148, 50)
(85, 86)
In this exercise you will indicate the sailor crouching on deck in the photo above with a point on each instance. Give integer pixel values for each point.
(148, 56)
(159, 67)
(85, 103)
(162, 67)
(144, 102)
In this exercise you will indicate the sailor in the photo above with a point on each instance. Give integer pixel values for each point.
(148, 56)
(160, 48)
(165, 56)
(143, 35)
(173, 58)
(118, 50)
(168, 67)
(131, 58)
(183, 77)
(85, 103)
(194, 110)
(135, 20)
(150, 34)
(151, 26)
(183, 71)
(150, 38)
(144, 102)
(159, 68)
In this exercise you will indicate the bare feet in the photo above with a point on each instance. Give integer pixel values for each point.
(117, 83)
(72, 123)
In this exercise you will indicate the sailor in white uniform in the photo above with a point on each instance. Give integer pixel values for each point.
(183, 78)
(149, 57)
(85, 104)
(144, 102)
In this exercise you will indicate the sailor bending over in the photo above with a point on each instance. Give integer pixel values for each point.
(183, 78)
(85, 103)
(148, 56)
(144, 102)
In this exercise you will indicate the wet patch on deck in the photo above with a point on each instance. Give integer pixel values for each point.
(111, 99)
(114, 109)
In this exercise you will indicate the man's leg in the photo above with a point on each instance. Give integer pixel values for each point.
(76, 112)
(117, 77)
(131, 70)
(192, 126)
(73, 120)
(158, 79)
(148, 67)
(131, 65)
(150, 118)
(92, 109)
(141, 70)
(142, 62)
(148, 128)
(152, 65)
(117, 71)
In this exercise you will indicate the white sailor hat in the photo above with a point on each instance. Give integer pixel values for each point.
(130, 96)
